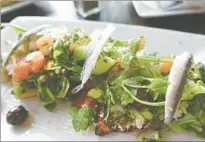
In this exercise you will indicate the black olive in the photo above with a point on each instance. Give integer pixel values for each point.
(17, 115)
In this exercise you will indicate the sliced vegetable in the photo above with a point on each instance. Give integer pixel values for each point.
(92, 59)
(95, 93)
(165, 67)
(103, 64)
(114, 70)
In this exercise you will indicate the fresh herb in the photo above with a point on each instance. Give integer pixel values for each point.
(83, 118)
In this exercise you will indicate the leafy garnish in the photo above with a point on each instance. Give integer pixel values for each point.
(191, 89)
(82, 118)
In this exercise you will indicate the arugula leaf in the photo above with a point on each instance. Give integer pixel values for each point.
(50, 107)
(45, 95)
(83, 118)
(143, 69)
(182, 124)
(137, 117)
(148, 135)
(20, 87)
(183, 107)
(135, 45)
(73, 111)
(197, 108)
(126, 59)
(113, 46)
(192, 89)
(59, 49)
(64, 87)
(120, 96)
(157, 85)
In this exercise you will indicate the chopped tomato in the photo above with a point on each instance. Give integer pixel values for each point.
(85, 100)
(32, 63)
(23, 69)
(114, 70)
(165, 67)
(38, 61)
(102, 128)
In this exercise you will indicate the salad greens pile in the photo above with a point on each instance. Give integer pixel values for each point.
(125, 93)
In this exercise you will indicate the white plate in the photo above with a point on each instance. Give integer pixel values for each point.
(15, 6)
(153, 11)
(56, 126)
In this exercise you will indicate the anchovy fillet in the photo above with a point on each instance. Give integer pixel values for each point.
(92, 59)
(177, 79)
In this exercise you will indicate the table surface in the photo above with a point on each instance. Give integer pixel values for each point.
(111, 11)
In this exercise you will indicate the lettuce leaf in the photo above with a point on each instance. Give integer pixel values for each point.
(157, 85)
(51, 90)
(191, 89)
(82, 118)
(20, 87)
(182, 124)
(148, 135)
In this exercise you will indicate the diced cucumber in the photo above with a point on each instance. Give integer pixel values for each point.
(95, 93)
(103, 65)
(147, 114)
(79, 52)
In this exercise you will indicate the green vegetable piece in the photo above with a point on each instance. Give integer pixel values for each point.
(18, 90)
(83, 118)
(50, 107)
(137, 118)
(201, 71)
(58, 49)
(192, 89)
(147, 114)
(148, 135)
(95, 93)
(103, 65)
(188, 121)
(158, 85)
(73, 111)
(64, 88)
(79, 52)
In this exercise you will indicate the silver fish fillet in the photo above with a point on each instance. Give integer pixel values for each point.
(177, 79)
(91, 60)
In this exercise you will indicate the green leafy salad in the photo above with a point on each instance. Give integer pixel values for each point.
(124, 91)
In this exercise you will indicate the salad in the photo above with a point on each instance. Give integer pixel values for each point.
(114, 85)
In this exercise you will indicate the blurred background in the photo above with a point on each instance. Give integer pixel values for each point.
(153, 14)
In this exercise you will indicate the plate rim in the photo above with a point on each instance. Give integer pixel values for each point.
(20, 18)
(166, 13)
(15, 6)
(80, 21)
